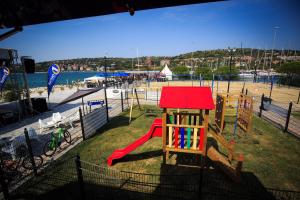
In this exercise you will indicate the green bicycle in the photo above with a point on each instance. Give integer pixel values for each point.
(56, 140)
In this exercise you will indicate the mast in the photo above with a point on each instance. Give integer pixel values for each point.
(137, 57)
(281, 57)
(264, 60)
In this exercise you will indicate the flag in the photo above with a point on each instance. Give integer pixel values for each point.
(53, 73)
(4, 72)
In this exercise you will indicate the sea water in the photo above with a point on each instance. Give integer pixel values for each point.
(39, 79)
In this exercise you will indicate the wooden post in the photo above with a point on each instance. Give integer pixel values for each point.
(243, 90)
(31, 156)
(206, 118)
(298, 98)
(81, 124)
(137, 99)
(218, 84)
(164, 131)
(261, 105)
(271, 89)
(80, 176)
(157, 96)
(122, 104)
(200, 78)
(288, 117)
(246, 91)
(146, 95)
(212, 84)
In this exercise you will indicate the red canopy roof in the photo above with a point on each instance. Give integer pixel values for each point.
(186, 97)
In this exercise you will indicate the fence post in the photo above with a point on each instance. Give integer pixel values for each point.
(261, 104)
(3, 184)
(246, 91)
(288, 117)
(80, 176)
(81, 124)
(271, 89)
(122, 105)
(29, 147)
(298, 98)
(106, 104)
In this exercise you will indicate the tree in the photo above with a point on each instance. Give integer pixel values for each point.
(225, 71)
(292, 72)
(290, 69)
(205, 72)
(180, 70)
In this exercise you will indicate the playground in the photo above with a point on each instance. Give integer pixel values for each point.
(266, 150)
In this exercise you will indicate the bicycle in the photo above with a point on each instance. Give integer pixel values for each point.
(12, 167)
(56, 140)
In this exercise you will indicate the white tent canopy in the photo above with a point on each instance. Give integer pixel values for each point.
(94, 79)
(166, 71)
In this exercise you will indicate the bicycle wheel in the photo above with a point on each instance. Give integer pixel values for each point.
(49, 148)
(27, 162)
(67, 137)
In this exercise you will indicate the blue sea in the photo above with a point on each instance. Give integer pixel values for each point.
(39, 79)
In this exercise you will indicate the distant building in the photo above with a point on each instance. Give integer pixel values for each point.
(69, 68)
(148, 62)
(75, 68)
(88, 69)
(164, 62)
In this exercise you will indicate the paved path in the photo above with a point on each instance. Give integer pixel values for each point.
(294, 123)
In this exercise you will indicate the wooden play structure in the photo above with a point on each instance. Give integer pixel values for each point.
(185, 128)
(225, 106)
(245, 112)
(240, 106)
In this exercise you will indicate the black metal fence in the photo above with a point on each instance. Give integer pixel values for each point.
(73, 178)
(280, 114)
(97, 182)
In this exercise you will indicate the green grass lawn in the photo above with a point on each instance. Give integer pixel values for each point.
(296, 114)
(270, 155)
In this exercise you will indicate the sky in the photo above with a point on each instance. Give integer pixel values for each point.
(165, 31)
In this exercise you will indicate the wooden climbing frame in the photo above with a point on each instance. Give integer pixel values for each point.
(245, 112)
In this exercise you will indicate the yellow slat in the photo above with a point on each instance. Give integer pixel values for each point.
(170, 136)
(195, 138)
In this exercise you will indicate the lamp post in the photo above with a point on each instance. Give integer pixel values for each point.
(274, 39)
(231, 52)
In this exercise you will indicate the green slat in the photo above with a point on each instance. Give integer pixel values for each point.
(189, 138)
(171, 119)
